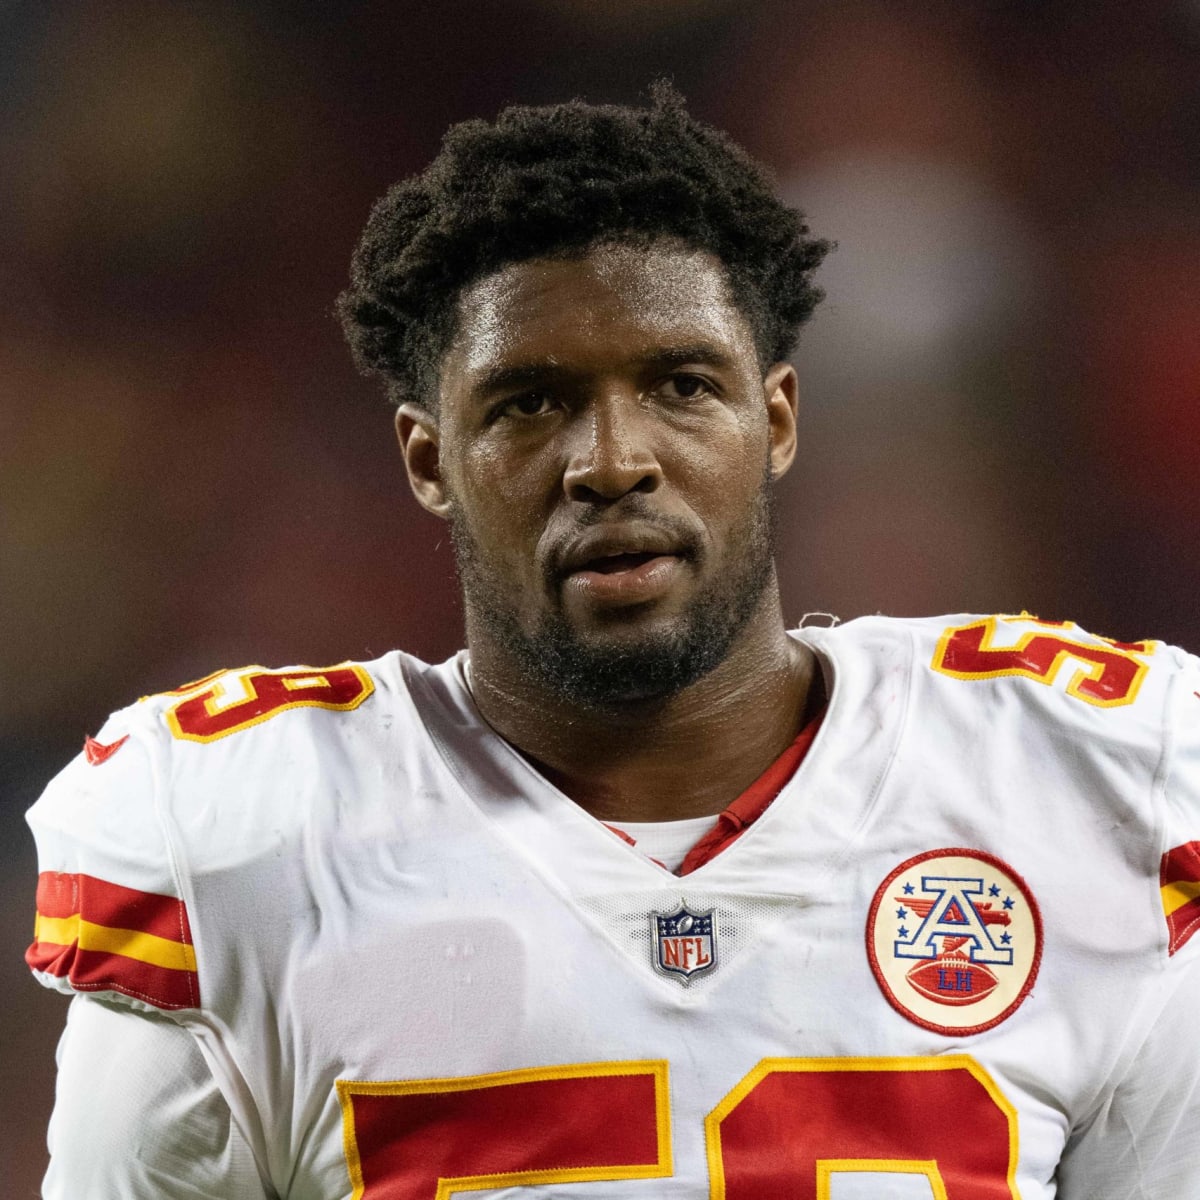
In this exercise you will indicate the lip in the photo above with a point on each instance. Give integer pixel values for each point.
(609, 541)
(640, 582)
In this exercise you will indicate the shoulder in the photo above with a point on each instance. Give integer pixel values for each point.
(1052, 684)
(1061, 667)
(247, 723)
(192, 780)
(110, 913)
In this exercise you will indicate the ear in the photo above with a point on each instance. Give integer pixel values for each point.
(781, 392)
(420, 445)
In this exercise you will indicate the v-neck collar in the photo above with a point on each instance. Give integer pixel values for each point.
(813, 823)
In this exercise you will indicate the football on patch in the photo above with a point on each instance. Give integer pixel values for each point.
(952, 979)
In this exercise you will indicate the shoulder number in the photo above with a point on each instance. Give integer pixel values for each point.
(1104, 673)
(229, 701)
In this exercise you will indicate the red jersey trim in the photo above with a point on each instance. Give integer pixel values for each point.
(730, 824)
(753, 802)
(1179, 880)
(100, 936)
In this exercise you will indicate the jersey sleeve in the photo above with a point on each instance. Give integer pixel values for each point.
(1143, 1141)
(1180, 869)
(111, 916)
(138, 1115)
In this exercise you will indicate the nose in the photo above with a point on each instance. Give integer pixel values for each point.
(613, 453)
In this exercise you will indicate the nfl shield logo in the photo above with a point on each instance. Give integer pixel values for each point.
(684, 942)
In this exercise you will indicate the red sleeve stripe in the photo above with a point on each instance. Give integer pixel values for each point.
(100, 936)
(1180, 883)
(104, 903)
(96, 971)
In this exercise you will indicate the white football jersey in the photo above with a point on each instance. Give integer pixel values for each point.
(950, 962)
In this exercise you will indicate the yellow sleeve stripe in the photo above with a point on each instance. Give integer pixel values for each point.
(1176, 895)
(130, 943)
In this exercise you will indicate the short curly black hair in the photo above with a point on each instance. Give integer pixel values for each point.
(551, 181)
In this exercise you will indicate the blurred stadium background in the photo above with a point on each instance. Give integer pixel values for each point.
(1002, 391)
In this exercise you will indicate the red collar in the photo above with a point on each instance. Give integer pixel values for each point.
(753, 802)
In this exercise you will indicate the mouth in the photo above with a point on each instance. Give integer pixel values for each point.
(625, 579)
(612, 564)
(620, 564)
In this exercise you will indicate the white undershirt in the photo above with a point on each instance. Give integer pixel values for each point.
(666, 841)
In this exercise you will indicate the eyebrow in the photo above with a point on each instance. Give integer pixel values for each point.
(695, 352)
(502, 379)
(527, 374)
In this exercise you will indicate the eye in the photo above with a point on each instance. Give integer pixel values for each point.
(685, 386)
(530, 404)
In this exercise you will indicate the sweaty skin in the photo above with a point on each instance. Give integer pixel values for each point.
(604, 448)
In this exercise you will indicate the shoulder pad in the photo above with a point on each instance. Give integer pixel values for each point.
(110, 912)
(1180, 875)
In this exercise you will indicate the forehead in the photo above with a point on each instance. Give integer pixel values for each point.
(591, 309)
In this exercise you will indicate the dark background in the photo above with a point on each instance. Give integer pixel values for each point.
(1001, 393)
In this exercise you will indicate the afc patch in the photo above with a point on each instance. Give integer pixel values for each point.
(684, 942)
(954, 938)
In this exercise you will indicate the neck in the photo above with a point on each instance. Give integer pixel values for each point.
(688, 755)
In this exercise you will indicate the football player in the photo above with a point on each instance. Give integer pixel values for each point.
(641, 895)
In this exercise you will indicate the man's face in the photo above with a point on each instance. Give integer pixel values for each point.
(604, 452)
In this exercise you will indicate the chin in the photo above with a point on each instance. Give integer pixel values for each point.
(622, 666)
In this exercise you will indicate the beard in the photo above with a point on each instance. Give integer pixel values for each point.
(657, 665)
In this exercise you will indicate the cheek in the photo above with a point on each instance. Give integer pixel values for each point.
(501, 507)
(727, 477)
